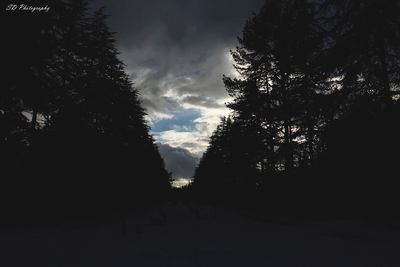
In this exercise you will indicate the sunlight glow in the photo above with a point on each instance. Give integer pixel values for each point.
(181, 182)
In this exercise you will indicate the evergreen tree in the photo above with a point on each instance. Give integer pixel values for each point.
(91, 150)
(278, 53)
(366, 48)
(314, 109)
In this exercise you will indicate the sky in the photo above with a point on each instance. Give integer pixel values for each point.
(176, 52)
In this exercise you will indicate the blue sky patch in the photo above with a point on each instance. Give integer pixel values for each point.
(182, 121)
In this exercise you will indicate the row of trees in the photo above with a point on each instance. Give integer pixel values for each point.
(73, 134)
(315, 109)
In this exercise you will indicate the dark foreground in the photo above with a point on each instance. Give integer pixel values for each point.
(183, 236)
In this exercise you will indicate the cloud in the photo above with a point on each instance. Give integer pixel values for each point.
(193, 140)
(177, 160)
(180, 78)
(176, 52)
(178, 47)
(181, 182)
(204, 101)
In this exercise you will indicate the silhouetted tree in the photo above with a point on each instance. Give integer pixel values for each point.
(316, 94)
(366, 52)
(87, 148)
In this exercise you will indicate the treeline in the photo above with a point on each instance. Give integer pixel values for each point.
(73, 138)
(314, 128)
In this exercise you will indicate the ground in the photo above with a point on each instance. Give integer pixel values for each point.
(183, 236)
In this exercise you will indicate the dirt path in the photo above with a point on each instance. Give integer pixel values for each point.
(186, 237)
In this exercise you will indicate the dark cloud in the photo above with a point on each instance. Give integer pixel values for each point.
(176, 52)
(189, 144)
(179, 161)
(178, 21)
(199, 100)
(177, 45)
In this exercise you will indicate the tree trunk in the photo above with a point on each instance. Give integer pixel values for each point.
(384, 72)
(288, 146)
(271, 162)
(310, 143)
(34, 120)
(288, 154)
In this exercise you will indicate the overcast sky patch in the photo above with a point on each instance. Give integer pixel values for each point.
(176, 52)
